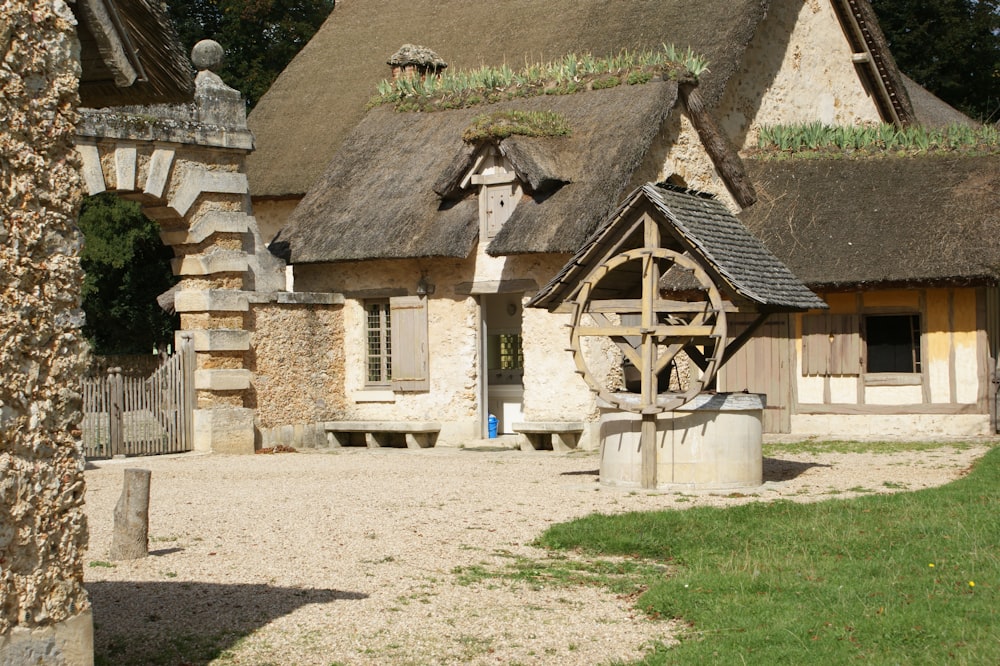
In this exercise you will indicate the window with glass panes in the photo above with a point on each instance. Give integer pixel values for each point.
(379, 343)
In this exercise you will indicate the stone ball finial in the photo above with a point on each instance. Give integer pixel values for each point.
(207, 54)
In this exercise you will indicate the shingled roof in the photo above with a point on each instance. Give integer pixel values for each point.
(389, 191)
(843, 223)
(703, 227)
(309, 111)
(130, 54)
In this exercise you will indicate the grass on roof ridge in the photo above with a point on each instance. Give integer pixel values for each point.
(570, 74)
(820, 140)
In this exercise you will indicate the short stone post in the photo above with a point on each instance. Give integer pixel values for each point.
(130, 539)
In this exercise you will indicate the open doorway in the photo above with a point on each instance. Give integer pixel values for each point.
(503, 359)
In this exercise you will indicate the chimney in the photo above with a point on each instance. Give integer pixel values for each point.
(412, 60)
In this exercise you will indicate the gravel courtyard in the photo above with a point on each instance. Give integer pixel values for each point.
(349, 557)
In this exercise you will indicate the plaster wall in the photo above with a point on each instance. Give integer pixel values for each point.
(797, 69)
(43, 532)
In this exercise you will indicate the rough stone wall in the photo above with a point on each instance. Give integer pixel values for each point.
(297, 360)
(42, 525)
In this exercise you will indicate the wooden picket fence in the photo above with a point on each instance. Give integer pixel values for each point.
(134, 416)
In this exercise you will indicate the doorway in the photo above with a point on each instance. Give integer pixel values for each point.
(502, 360)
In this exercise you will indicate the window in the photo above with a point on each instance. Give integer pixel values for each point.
(893, 343)
(396, 354)
(379, 340)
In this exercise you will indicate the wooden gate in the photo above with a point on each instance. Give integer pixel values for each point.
(141, 415)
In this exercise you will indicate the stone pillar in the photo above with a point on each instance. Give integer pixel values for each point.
(44, 611)
(185, 164)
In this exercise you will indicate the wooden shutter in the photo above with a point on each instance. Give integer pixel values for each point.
(831, 345)
(410, 354)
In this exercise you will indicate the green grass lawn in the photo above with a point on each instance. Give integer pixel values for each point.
(908, 578)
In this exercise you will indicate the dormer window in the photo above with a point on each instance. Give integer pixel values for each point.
(499, 190)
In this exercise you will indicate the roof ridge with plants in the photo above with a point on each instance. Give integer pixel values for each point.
(570, 74)
(817, 140)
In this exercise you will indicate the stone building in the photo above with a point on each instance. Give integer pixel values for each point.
(434, 244)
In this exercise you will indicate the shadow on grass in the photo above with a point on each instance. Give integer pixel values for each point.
(776, 469)
(151, 623)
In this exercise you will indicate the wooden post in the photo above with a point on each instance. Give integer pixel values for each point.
(130, 539)
(647, 447)
(116, 412)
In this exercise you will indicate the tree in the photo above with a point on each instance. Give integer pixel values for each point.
(260, 37)
(951, 47)
(126, 267)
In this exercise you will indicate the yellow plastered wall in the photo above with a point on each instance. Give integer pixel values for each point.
(937, 340)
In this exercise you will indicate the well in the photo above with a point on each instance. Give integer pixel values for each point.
(711, 443)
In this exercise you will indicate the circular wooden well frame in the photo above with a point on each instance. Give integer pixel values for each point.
(667, 327)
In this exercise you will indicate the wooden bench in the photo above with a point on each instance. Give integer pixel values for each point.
(416, 434)
(551, 435)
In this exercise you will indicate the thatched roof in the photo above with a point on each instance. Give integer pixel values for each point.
(932, 111)
(894, 221)
(306, 115)
(391, 190)
(130, 54)
(700, 226)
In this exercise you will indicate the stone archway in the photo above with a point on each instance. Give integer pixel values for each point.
(185, 165)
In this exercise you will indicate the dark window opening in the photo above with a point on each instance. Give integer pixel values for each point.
(379, 343)
(893, 343)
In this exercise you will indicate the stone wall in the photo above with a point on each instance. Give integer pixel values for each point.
(297, 360)
(42, 526)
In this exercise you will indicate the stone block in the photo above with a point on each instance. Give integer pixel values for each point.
(218, 339)
(159, 172)
(199, 181)
(224, 430)
(208, 264)
(211, 300)
(125, 167)
(93, 174)
(223, 222)
(222, 380)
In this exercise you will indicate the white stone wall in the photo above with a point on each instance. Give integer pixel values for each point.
(797, 69)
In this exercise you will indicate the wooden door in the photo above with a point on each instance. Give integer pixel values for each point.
(764, 365)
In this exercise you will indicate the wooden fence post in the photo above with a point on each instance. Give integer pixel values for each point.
(130, 538)
(116, 412)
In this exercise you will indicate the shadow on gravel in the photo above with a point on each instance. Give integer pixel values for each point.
(776, 469)
(583, 472)
(170, 623)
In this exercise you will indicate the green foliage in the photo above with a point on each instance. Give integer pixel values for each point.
(502, 124)
(569, 74)
(951, 47)
(126, 267)
(260, 37)
(877, 139)
(882, 579)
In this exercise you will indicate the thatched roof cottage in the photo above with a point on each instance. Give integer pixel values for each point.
(437, 237)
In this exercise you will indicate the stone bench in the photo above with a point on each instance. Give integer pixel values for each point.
(553, 435)
(416, 434)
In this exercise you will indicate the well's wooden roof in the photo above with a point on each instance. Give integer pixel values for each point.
(139, 37)
(893, 221)
(309, 111)
(390, 190)
(701, 226)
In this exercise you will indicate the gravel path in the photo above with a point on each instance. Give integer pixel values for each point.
(348, 557)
